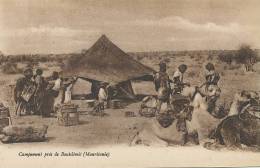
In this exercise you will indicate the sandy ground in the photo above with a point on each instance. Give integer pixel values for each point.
(113, 132)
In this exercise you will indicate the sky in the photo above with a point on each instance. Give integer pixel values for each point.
(65, 26)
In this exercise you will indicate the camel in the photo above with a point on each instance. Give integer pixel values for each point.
(157, 134)
(205, 118)
(241, 127)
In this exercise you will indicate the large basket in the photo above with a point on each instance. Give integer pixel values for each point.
(68, 115)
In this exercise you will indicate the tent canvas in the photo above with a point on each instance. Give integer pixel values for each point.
(105, 62)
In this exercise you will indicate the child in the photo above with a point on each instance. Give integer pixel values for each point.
(211, 76)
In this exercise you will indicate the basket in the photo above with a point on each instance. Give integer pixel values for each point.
(116, 104)
(68, 115)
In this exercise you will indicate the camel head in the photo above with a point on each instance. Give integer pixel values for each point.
(213, 92)
(242, 100)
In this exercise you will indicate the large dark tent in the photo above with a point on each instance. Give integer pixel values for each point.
(105, 62)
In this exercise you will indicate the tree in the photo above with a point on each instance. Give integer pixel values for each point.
(246, 56)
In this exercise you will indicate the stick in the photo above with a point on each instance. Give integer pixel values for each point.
(10, 120)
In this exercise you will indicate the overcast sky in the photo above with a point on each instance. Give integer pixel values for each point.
(62, 26)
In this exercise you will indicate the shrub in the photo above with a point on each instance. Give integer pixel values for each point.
(11, 68)
(167, 60)
(245, 54)
(226, 57)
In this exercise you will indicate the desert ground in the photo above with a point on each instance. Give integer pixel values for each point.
(115, 131)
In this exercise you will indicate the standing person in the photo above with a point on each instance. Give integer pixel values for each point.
(40, 91)
(68, 90)
(162, 85)
(102, 97)
(23, 93)
(178, 83)
(211, 76)
(52, 92)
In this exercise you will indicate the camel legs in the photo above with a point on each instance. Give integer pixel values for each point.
(144, 138)
(231, 139)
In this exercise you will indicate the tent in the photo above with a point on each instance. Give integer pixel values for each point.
(105, 62)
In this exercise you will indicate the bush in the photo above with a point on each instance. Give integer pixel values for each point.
(226, 57)
(167, 60)
(245, 54)
(210, 57)
(11, 68)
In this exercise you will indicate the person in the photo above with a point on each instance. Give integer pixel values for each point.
(178, 83)
(23, 92)
(102, 96)
(52, 92)
(39, 92)
(68, 92)
(211, 76)
(162, 85)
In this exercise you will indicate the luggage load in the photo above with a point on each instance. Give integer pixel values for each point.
(179, 102)
(254, 110)
(148, 107)
(68, 115)
(24, 133)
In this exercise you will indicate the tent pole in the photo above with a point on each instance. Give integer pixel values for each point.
(128, 94)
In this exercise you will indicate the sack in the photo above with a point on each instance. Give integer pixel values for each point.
(165, 119)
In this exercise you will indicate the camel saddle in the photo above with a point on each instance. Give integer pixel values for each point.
(179, 102)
